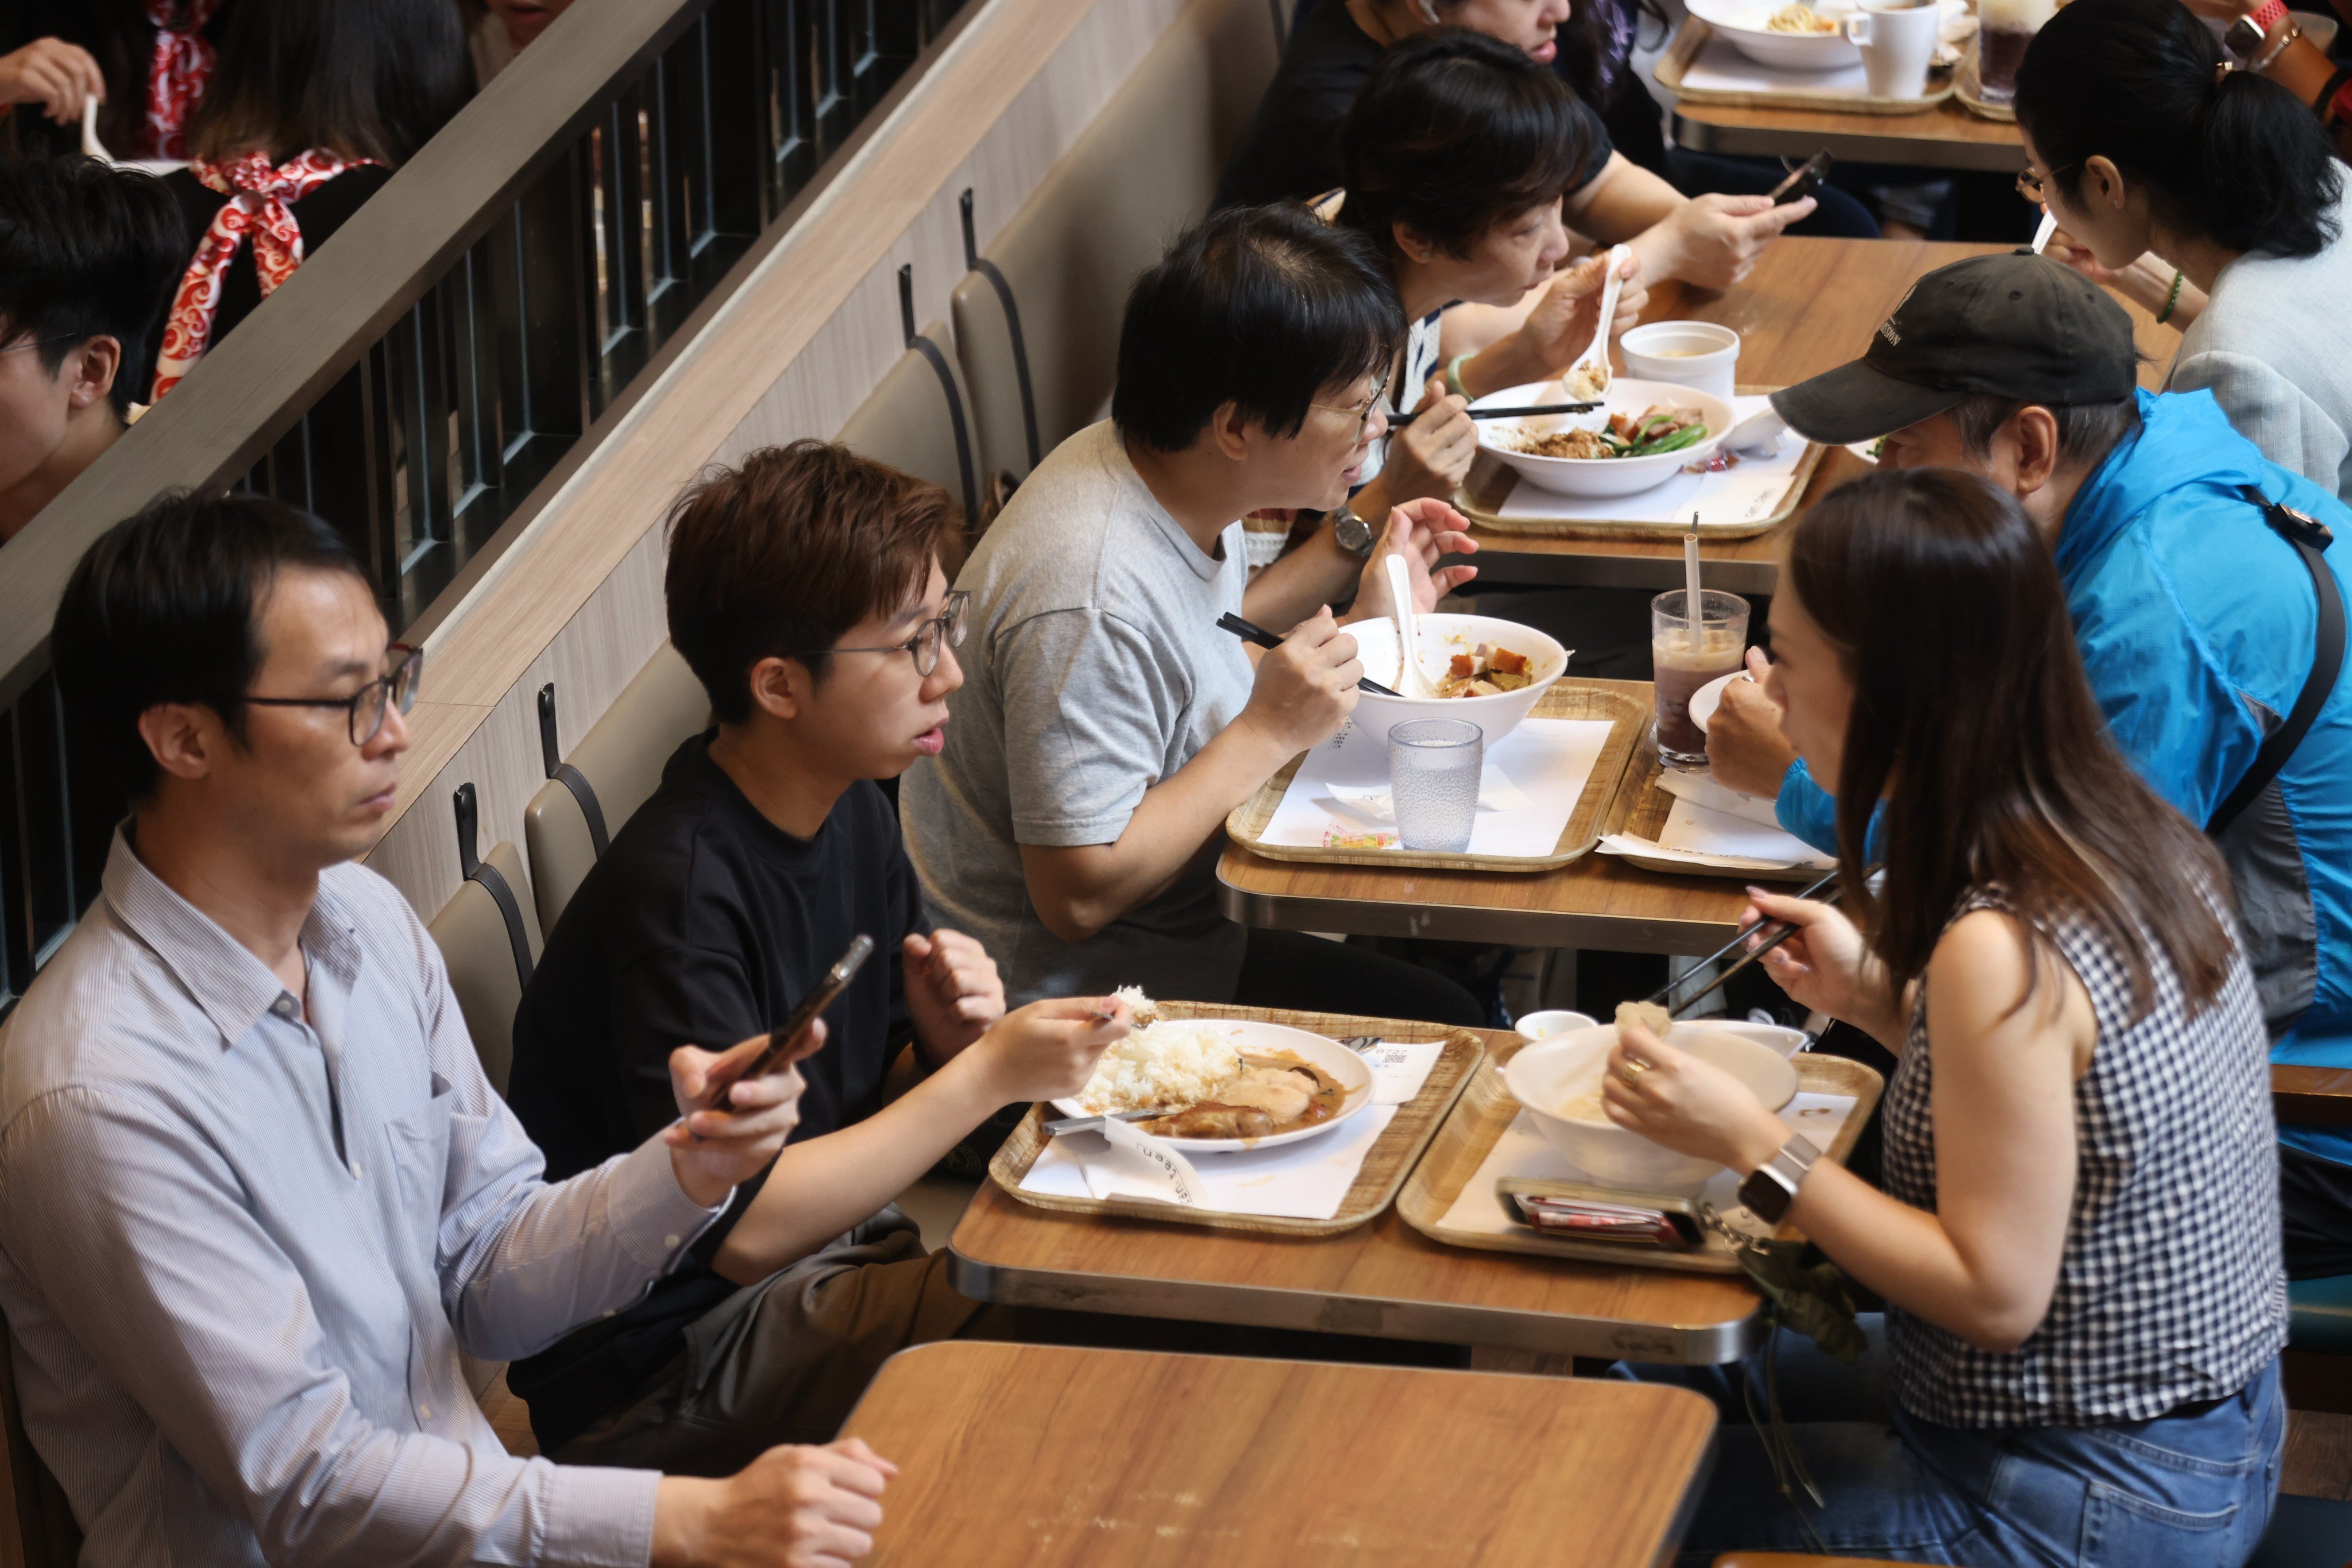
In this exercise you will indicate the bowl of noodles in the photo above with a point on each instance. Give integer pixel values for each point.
(1788, 35)
(1647, 433)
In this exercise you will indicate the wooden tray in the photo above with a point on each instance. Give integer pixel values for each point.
(1567, 699)
(1391, 1155)
(1483, 494)
(1694, 37)
(1641, 810)
(1486, 1110)
(1969, 87)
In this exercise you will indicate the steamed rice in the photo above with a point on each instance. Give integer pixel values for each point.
(1177, 1063)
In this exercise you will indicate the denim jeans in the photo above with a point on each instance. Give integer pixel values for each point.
(2183, 1492)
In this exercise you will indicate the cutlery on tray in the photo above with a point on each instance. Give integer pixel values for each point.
(1251, 632)
(1094, 1123)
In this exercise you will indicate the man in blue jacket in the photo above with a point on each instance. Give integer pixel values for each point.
(2197, 619)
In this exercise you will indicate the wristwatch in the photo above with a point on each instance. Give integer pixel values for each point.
(1352, 532)
(2247, 33)
(1772, 1186)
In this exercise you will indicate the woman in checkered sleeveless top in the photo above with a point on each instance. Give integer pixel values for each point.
(2078, 1241)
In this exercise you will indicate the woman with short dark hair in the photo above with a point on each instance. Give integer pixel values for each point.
(2078, 1238)
(315, 102)
(2214, 199)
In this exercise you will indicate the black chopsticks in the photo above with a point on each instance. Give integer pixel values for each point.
(1401, 420)
(1786, 931)
(1250, 631)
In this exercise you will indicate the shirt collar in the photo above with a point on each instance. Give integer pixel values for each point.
(223, 977)
(1208, 568)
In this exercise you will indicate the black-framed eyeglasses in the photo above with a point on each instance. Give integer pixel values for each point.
(367, 706)
(942, 630)
(2031, 185)
(1362, 411)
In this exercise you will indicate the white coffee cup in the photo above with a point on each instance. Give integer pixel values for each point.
(1696, 355)
(1897, 42)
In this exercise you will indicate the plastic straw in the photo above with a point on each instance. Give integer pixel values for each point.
(1694, 620)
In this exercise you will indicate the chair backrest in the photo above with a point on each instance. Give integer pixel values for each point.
(36, 1523)
(476, 931)
(1143, 172)
(616, 766)
(916, 421)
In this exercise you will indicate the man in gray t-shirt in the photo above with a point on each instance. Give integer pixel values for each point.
(1106, 725)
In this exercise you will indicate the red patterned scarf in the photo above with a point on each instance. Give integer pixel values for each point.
(260, 203)
(176, 75)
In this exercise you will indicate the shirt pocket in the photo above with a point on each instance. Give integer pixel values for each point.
(417, 1146)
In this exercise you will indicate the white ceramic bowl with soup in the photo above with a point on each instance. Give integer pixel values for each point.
(1746, 27)
(1551, 1021)
(1598, 478)
(1557, 1081)
(1441, 637)
(1699, 354)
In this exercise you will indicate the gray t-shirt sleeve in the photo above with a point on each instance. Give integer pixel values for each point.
(1091, 708)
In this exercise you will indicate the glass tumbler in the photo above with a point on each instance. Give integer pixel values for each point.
(1434, 766)
(1683, 658)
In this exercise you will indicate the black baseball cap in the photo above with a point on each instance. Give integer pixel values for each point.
(2016, 325)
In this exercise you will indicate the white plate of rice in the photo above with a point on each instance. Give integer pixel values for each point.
(1176, 1063)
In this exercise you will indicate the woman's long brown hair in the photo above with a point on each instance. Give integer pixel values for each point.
(1969, 695)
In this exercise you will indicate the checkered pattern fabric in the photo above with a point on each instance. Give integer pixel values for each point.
(2170, 1288)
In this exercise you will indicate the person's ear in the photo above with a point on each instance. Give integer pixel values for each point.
(92, 369)
(1411, 243)
(185, 738)
(1229, 432)
(2103, 182)
(781, 685)
(2036, 438)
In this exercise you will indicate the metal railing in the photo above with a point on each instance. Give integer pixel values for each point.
(431, 374)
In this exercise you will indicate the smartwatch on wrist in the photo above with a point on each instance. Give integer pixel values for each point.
(2246, 34)
(1772, 1186)
(1352, 534)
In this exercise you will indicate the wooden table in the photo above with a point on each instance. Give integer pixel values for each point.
(1595, 902)
(1383, 1278)
(1808, 307)
(1045, 1456)
(1945, 137)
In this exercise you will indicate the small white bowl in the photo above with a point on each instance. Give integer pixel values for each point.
(1784, 1042)
(1564, 1067)
(1742, 25)
(1551, 1021)
(1441, 637)
(1599, 478)
(1703, 355)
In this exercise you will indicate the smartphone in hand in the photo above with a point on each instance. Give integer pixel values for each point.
(785, 1036)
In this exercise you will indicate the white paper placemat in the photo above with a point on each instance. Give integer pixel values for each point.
(1720, 68)
(1522, 1151)
(1751, 488)
(1703, 830)
(1534, 777)
(1306, 1180)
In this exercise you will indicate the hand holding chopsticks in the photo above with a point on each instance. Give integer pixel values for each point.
(1773, 933)
(1401, 420)
(1251, 632)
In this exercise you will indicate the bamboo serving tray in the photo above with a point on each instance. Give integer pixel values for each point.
(1391, 1155)
(1969, 87)
(1486, 1110)
(1566, 700)
(1641, 809)
(1694, 37)
(1486, 490)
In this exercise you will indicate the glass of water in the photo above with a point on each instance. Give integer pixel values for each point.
(1434, 766)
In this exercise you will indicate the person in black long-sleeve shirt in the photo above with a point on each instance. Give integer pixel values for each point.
(805, 591)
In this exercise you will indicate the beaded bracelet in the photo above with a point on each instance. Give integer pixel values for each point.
(2171, 300)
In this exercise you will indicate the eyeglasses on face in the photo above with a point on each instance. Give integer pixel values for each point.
(943, 630)
(2031, 185)
(1362, 411)
(367, 706)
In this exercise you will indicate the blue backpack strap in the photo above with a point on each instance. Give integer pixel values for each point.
(2310, 537)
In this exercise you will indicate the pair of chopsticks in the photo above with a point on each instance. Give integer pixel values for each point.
(1251, 632)
(1781, 931)
(1401, 420)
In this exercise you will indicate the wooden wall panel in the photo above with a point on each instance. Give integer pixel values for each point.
(578, 600)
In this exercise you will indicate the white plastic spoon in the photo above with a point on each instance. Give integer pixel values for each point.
(92, 147)
(1597, 354)
(1411, 680)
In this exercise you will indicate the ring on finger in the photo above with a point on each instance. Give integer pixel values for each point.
(1632, 1069)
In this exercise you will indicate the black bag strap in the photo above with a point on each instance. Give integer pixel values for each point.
(487, 877)
(2310, 537)
(567, 775)
(938, 363)
(978, 263)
